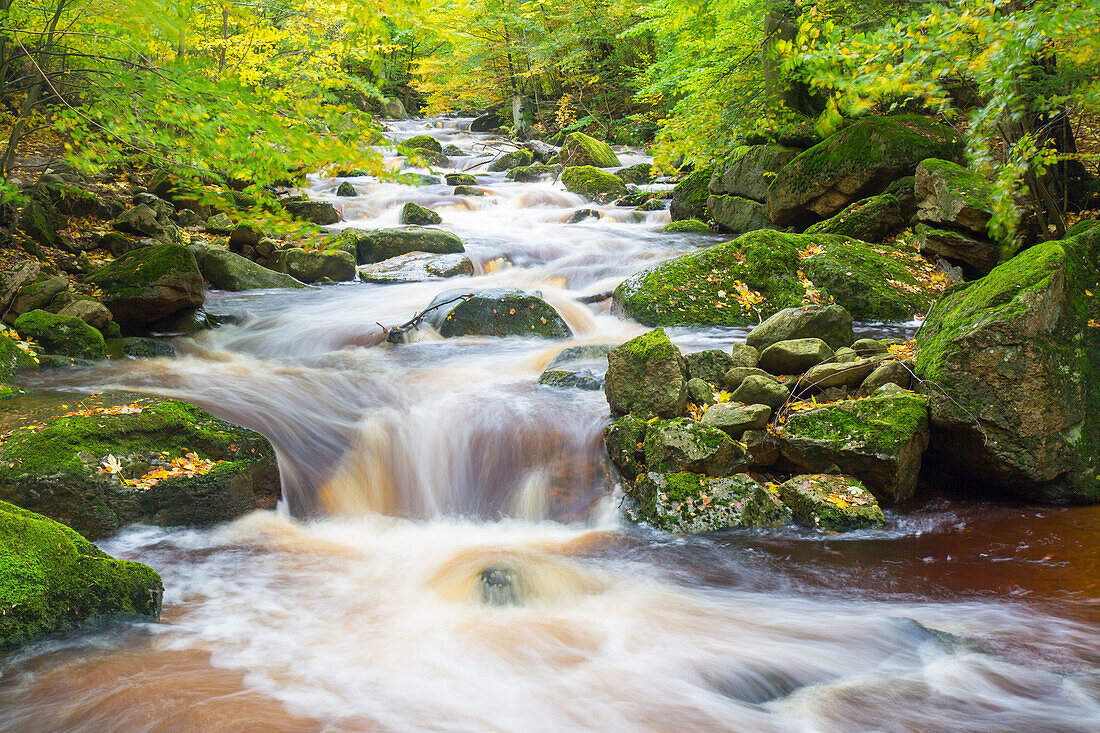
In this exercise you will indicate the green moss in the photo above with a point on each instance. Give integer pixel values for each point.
(687, 225)
(52, 579)
(881, 424)
(578, 149)
(593, 183)
(130, 274)
(874, 218)
(688, 502)
(13, 359)
(689, 196)
(62, 335)
(813, 499)
(426, 142)
(514, 159)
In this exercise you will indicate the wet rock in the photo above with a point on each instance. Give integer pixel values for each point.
(346, 189)
(149, 283)
(830, 323)
(976, 255)
(651, 205)
(511, 160)
(452, 150)
(689, 503)
(416, 214)
(587, 353)
(700, 391)
(13, 360)
(875, 218)
(593, 183)
(888, 372)
(582, 214)
(487, 122)
(734, 418)
(684, 444)
(758, 390)
(637, 175)
(831, 503)
(460, 179)
(579, 149)
(687, 225)
(310, 266)
(647, 376)
(469, 191)
(577, 378)
(878, 440)
(542, 151)
(424, 157)
(377, 245)
(733, 378)
(146, 348)
(794, 356)
(319, 212)
(416, 267)
(500, 586)
(623, 440)
(228, 271)
(743, 355)
(57, 580)
(61, 335)
(393, 109)
(220, 224)
(423, 142)
(496, 312)
(710, 365)
(689, 196)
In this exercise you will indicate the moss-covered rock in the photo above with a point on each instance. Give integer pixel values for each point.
(951, 196)
(228, 271)
(710, 365)
(593, 183)
(830, 323)
(310, 266)
(13, 359)
(689, 503)
(684, 444)
(875, 218)
(879, 440)
(496, 312)
(424, 142)
(1013, 357)
(416, 267)
(742, 355)
(831, 503)
(377, 245)
(143, 221)
(514, 159)
(460, 179)
(638, 174)
(412, 213)
(346, 190)
(687, 225)
(623, 440)
(734, 418)
(469, 191)
(578, 149)
(63, 335)
(36, 295)
(572, 378)
(860, 160)
(689, 196)
(975, 255)
(738, 215)
(794, 356)
(849, 373)
(758, 389)
(65, 469)
(52, 579)
(321, 213)
(749, 169)
(536, 172)
(150, 283)
(647, 376)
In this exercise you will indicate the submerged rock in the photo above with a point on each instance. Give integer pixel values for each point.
(690, 503)
(831, 503)
(647, 376)
(577, 377)
(416, 267)
(496, 312)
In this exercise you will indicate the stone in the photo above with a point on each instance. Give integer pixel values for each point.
(583, 354)
(689, 196)
(593, 183)
(836, 374)
(91, 311)
(393, 109)
(684, 444)
(757, 390)
(794, 356)
(623, 440)
(845, 355)
(495, 312)
(737, 215)
(950, 196)
(15, 279)
(763, 448)
(977, 256)
(36, 295)
(735, 418)
(146, 348)
(150, 283)
(220, 224)
(63, 335)
(189, 219)
(311, 266)
(416, 267)
(469, 191)
(346, 189)
(511, 160)
(420, 157)
(54, 580)
(582, 214)
(878, 440)
(647, 376)
(578, 149)
(710, 365)
(831, 503)
(743, 355)
(322, 213)
(41, 222)
(460, 179)
(638, 174)
(687, 225)
(689, 503)
(576, 378)
(377, 245)
(887, 372)
(875, 218)
(733, 378)
(830, 323)
(700, 391)
(245, 236)
(867, 347)
(452, 150)
(749, 169)
(424, 142)
(416, 214)
(142, 221)
(651, 205)
(228, 271)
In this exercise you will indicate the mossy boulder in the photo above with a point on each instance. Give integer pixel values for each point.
(710, 365)
(749, 169)
(150, 283)
(469, 191)
(647, 376)
(688, 503)
(759, 389)
(423, 157)
(514, 159)
(638, 174)
(496, 312)
(52, 579)
(572, 378)
(623, 441)
(346, 190)
(310, 266)
(975, 255)
(143, 221)
(700, 391)
(1013, 359)
(536, 172)
(687, 225)
(689, 196)
(63, 335)
(377, 245)
(794, 356)
(743, 355)
(875, 218)
(734, 418)
(416, 267)
(831, 503)
(578, 149)
(860, 160)
(684, 444)
(830, 323)
(36, 295)
(950, 196)
(424, 142)
(412, 213)
(878, 440)
(460, 179)
(593, 183)
(89, 310)
(13, 359)
(41, 222)
(736, 214)
(65, 470)
(849, 373)
(321, 213)
(228, 271)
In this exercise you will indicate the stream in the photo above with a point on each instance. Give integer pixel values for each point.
(409, 469)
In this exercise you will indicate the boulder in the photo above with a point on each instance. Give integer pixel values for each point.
(220, 224)
(839, 374)
(831, 503)
(878, 440)
(743, 355)
(578, 149)
(416, 214)
(14, 359)
(393, 109)
(36, 295)
(875, 218)
(582, 214)
(734, 418)
(149, 283)
(495, 312)
(687, 225)
(710, 365)
(684, 444)
(763, 448)
(830, 323)
(416, 267)
(245, 237)
(460, 179)
(537, 172)
(623, 440)
(638, 174)
(736, 214)
(143, 221)
(952, 197)
(377, 245)
(1011, 363)
(425, 142)
(749, 169)
(647, 376)
(689, 196)
(61, 334)
(976, 255)
(689, 503)
(319, 212)
(593, 183)
(15, 279)
(735, 376)
(572, 378)
(40, 222)
(310, 266)
(887, 372)
(511, 160)
(469, 191)
(700, 391)
(228, 271)
(795, 356)
(860, 160)
(868, 347)
(52, 579)
(757, 390)
(99, 472)
(346, 190)
(584, 354)
(418, 157)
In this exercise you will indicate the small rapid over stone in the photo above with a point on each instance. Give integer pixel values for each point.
(449, 555)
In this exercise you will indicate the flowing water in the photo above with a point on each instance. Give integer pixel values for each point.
(410, 469)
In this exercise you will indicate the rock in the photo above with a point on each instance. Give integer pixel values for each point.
(579, 149)
(424, 142)
(69, 200)
(593, 183)
(15, 279)
(13, 359)
(794, 356)
(487, 123)
(92, 312)
(423, 157)
(742, 355)
(62, 334)
(700, 391)
(346, 189)
(757, 390)
(690, 503)
(977, 256)
(496, 312)
(581, 214)
(228, 271)
(377, 245)
(830, 323)
(40, 222)
(36, 295)
(647, 376)
(687, 225)
(146, 348)
(147, 284)
(142, 221)
(55, 580)
(748, 171)
(638, 174)
(585, 354)
(734, 418)
(189, 219)
(689, 197)
(763, 448)
(220, 224)
(651, 205)
(836, 374)
(1011, 362)
(710, 365)
(949, 196)
(452, 150)
(460, 179)
(684, 444)
(416, 267)
(319, 212)
(867, 347)
(845, 355)
(245, 237)
(309, 266)
(542, 151)
(735, 376)
(860, 160)
(831, 503)
(511, 160)
(469, 191)
(736, 214)
(623, 442)
(162, 208)
(577, 378)
(887, 372)
(875, 218)
(56, 470)
(416, 214)
(393, 109)
(879, 440)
